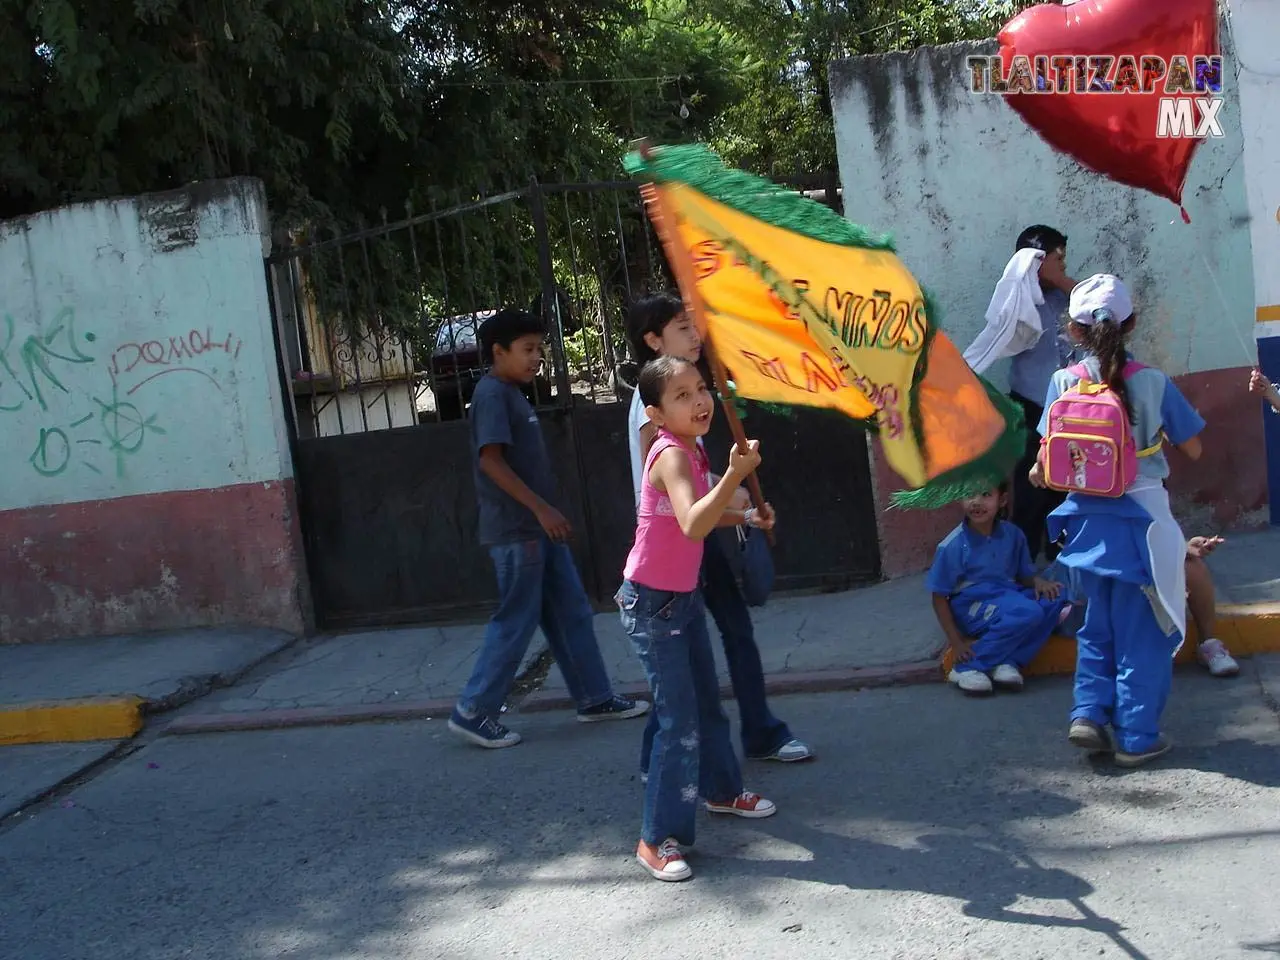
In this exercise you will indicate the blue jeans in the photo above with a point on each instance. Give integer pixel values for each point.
(538, 586)
(692, 751)
(762, 732)
(1124, 662)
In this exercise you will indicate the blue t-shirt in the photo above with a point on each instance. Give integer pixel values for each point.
(965, 558)
(1158, 405)
(501, 415)
(1031, 370)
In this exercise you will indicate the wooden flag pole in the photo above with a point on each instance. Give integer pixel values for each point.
(682, 265)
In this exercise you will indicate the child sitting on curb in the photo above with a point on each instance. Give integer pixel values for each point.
(996, 613)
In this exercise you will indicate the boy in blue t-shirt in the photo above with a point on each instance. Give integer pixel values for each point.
(996, 613)
(538, 584)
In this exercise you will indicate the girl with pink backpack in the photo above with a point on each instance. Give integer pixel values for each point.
(1105, 424)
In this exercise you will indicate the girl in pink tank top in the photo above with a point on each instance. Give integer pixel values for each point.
(662, 612)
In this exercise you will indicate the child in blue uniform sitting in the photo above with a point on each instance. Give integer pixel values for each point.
(996, 613)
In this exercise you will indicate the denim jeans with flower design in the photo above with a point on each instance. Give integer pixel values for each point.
(692, 751)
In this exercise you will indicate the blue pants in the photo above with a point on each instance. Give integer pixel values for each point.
(1124, 665)
(538, 586)
(692, 751)
(762, 732)
(1007, 623)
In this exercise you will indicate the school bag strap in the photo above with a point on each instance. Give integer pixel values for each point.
(1130, 368)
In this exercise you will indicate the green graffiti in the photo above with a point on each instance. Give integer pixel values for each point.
(52, 452)
(38, 351)
(124, 427)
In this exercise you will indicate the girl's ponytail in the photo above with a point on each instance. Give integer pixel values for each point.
(1104, 338)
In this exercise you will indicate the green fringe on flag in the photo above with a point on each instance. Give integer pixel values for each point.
(985, 473)
(698, 167)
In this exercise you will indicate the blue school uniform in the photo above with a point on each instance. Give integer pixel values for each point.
(978, 575)
(1128, 555)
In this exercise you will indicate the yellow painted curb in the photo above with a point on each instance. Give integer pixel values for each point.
(71, 721)
(1246, 630)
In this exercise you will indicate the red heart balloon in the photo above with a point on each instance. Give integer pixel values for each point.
(1112, 133)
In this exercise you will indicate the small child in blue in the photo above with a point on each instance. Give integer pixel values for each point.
(996, 613)
(1128, 554)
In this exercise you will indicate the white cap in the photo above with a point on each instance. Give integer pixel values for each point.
(1100, 298)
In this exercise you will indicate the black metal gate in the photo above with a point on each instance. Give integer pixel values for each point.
(378, 354)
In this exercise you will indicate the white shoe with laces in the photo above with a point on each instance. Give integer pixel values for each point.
(1008, 676)
(972, 682)
(1213, 654)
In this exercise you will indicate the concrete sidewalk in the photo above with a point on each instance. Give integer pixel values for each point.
(875, 636)
(67, 706)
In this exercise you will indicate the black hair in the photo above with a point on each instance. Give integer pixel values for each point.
(650, 315)
(1040, 237)
(654, 377)
(504, 328)
(1104, 338)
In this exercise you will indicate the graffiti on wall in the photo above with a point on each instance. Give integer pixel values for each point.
(86, 407)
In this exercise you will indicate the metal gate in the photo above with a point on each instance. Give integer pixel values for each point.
(379, 358)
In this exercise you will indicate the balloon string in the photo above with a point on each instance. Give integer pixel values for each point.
(1250, 350)
(1186, 217)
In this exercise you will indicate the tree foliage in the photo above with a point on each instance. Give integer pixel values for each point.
(354, 112)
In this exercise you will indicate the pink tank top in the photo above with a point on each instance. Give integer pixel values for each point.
(663, 558)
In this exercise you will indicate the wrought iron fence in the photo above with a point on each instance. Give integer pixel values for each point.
(378, 327)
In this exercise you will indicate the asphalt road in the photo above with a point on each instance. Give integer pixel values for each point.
(930, 826)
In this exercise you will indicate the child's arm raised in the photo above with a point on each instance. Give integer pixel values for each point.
(1258, 384)
(673, 474)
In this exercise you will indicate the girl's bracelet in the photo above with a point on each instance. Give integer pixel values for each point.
(749, 516)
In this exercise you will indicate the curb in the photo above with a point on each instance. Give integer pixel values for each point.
(71, 721)
(540, 701)
(1246, 629)
(116, 717)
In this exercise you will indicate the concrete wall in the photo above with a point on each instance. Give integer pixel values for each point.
(149, 483)
(955, 177)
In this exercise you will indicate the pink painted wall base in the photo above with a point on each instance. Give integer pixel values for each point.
(223, 556)
(1225, 490)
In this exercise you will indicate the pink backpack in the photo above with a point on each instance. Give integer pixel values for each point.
(1090, 447)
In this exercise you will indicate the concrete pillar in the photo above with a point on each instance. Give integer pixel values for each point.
(1255, 28)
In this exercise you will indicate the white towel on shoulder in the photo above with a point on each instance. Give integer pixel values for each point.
(1013, 322)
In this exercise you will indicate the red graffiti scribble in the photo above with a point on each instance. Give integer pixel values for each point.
(129, 356)
(134, 389)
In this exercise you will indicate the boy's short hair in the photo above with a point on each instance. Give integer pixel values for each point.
(647, 315)
(504, 328)
(1041, 237)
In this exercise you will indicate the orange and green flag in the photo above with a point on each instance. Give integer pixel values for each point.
(805, 308)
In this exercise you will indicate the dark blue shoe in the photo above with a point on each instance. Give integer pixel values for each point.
(483, 731)
(619, 708)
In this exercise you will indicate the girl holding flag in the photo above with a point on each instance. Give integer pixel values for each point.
(661, 610)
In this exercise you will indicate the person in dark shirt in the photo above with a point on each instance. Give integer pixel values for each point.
(1029, 378)
(527, 538)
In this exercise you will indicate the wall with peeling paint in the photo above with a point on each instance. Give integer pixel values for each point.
(136, 351)
(149, 482)
(954, 177)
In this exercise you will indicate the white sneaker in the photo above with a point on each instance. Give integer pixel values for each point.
(1213, 654)
(1008, 676)
(971, 681)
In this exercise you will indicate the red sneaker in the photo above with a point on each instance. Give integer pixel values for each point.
(746, 804)
(665, 861)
